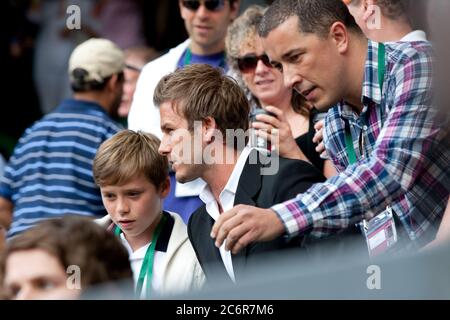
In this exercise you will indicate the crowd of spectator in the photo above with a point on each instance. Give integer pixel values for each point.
(143, 177)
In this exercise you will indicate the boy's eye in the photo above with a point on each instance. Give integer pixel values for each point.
(134, 193)
(108, 196)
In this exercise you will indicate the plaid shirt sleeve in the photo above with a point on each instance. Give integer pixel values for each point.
(364, 189)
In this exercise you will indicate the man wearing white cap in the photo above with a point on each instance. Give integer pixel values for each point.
(50, 172)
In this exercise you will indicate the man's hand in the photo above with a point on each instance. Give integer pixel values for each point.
(277, 130)
(318, 139)
(243, 225)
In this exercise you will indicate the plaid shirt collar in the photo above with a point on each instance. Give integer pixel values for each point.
(371, 91)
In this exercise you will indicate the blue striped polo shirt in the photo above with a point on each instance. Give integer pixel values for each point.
(50, 172)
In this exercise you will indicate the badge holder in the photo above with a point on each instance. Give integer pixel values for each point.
(380, 233)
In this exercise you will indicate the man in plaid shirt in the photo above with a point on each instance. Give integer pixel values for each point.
(402, 153)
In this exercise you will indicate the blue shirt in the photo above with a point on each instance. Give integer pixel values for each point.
(50, 172)
(215, 60)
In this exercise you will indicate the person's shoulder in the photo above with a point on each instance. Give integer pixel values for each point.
(403, 52)
(288, 166)
(292, 171)
(167, 60)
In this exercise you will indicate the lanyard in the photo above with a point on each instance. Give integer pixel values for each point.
(188, 59)
(381, 72)
(147, 264)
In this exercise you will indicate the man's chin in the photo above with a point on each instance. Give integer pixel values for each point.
(182, 179)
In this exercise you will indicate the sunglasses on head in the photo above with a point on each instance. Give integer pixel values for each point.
(211, 5)
(248, 63)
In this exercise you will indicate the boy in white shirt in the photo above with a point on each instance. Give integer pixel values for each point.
(133, 179)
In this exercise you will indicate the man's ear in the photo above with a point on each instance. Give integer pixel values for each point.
(339, 35)
(209, 127)
(113, 82)
(368, 9)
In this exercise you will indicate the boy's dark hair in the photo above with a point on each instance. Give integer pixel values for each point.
(127, 155)
(315, 16)
(76, 241)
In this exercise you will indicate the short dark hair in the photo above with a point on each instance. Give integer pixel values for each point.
(315, 16)
(79, 85)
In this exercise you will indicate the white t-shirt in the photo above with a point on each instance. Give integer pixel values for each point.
(416, 35)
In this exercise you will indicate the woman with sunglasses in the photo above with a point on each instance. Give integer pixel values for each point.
(293, 120)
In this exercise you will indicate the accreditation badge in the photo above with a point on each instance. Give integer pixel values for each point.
(380, 233)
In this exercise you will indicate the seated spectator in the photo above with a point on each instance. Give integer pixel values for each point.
(135, 59)
(134, 181)
(265, 86)
(198, 103)
(384, 134)
(62, 259)
(50, 172)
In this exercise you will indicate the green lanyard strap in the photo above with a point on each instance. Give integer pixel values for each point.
(147, 264)
(381, 72)
(188, 59)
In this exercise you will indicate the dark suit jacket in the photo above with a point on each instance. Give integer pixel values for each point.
(264, 191)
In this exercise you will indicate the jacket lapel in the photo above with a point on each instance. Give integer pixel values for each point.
(211, 260)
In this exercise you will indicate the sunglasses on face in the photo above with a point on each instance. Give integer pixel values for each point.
(211, 5)
(249, 63)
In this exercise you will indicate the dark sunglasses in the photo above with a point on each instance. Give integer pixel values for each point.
(211, 5)
(249, 63)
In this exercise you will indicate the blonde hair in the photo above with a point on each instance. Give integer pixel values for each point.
(129, 154)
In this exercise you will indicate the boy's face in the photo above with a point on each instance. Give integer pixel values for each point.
(312, 65)
(36, 275)
(135, 205)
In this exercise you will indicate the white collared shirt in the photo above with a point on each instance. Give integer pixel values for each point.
(137, 258)
(416, 35)
(227, 202)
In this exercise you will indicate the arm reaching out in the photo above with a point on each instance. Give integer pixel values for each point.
(243, 225)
